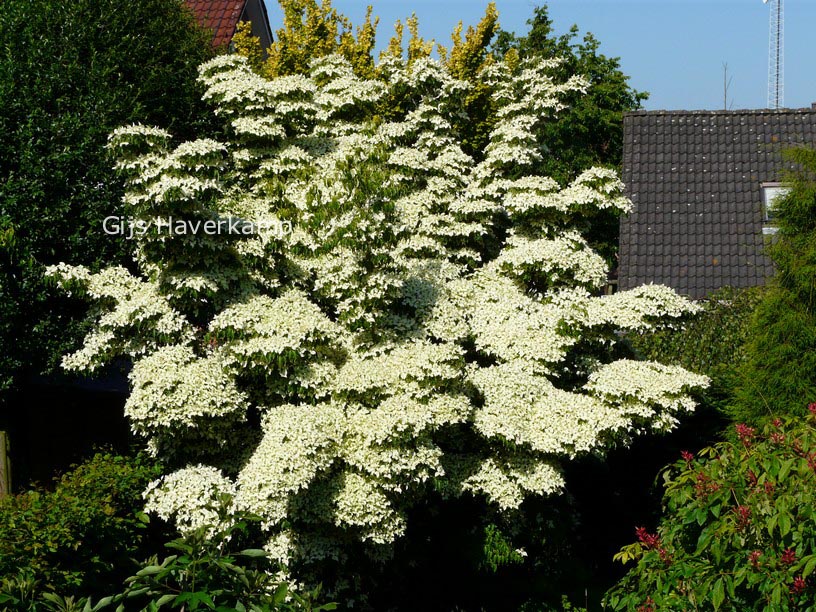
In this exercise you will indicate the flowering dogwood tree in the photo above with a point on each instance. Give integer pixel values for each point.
(428, 324)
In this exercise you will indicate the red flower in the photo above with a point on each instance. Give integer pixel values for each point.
(769, 487)
(648, 606)
(788, 557)
(753, 558)
(798, 586)
(745, 433)
(743, 515)
(777, 422)
(649, 540)
(687, 456)
(812, 408)
(752, 478)
(705, 485)
(777, 438)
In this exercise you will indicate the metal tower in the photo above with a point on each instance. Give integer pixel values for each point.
(776, 55)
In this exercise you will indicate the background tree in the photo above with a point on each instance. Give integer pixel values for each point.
(778, 375)
(589, 131)
(69, 73)
(310, 31)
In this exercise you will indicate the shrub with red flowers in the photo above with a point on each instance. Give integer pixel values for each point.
(739, 528)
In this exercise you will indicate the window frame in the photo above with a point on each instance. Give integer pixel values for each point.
(771, 191)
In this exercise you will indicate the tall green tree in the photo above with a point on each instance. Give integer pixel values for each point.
(589, 131)
(779, 373)
(70, 71)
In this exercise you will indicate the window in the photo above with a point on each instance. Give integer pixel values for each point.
(771, 192)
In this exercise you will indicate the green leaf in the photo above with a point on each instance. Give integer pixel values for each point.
(785, 469)
(718, 594)
(784, 524)
(254, 552)
(164, 599)
(202, 597)
(149, 570)
(771, 523)
(776, 595)
(809, 567)
(280, 593)
(103, 603)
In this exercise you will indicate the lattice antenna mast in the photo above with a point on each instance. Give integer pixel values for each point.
(776, 55)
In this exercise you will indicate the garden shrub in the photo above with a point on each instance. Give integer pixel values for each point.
(739, 528)
(389, 319)
(711, 342)
(779, 370)
(211, 571)
(80, 536)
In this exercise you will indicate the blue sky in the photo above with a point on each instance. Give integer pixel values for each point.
(674, 49)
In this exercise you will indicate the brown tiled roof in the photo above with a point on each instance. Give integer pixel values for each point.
(695, 179)
(220, 16)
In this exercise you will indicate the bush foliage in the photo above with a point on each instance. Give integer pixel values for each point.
(80, 536)
(211, 571)
(385, 349)
(739, 530)
(712, 341)
(70, 72)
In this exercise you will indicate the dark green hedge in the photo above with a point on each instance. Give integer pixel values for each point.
(710, 340)
(70, 72)
(711, 343)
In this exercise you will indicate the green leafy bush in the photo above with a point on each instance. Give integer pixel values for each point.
(211, 572)
(80, 537)
(739, 531)
(712, 341)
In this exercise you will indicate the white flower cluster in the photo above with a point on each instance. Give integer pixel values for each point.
(191, 497)
(642, 308)
(175, 394)
(324, 378)
(649, 393)
(133, 317)
(566, 259)
(527, 410)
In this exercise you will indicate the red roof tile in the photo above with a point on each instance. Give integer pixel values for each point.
(220, 16)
